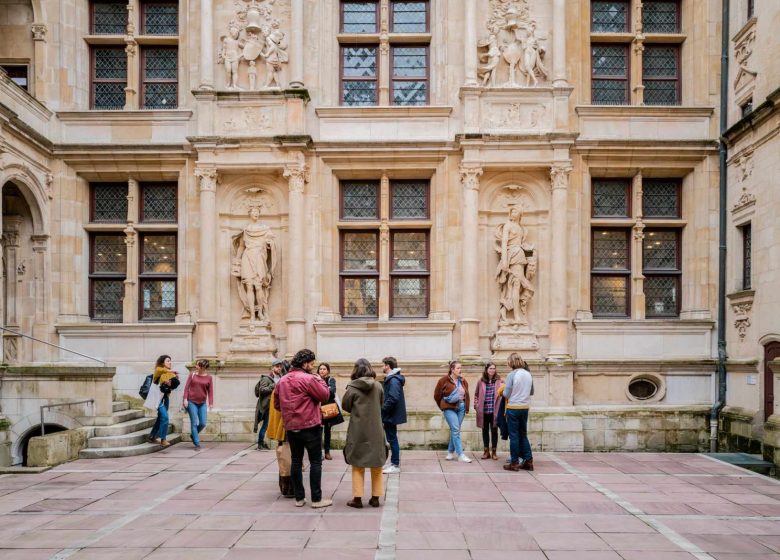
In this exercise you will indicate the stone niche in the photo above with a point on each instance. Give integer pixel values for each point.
(500, 193)
(242, 338)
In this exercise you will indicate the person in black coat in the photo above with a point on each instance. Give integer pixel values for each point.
(324, 371)
(393, 411)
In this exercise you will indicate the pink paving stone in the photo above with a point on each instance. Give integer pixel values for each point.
(724, 509)
(50, 539)
(570, 541)
(701, 526)
(663, 508)
(360, 522)
(655, 555)
(57, 505)
(596, 508)
(24, 521)
(755, 526)
(728, 543)
(274, 539)
(432, 555)
(618, 524)
(430, 540)
(169, 521)
(188, 554)
(554, 525)
(344, 539)
(37, 554)
(486, 507)
(770, 541)
(286, 523)
(442, 506)
(502, 555)
(203, 539)
(517, 540)
(583, 555)
(185, 506)
(639, 541)
(78, 521)
(135, 538)
(111, 554)
(222, 523)
(524, 508)
(742, 556)
(337, 554)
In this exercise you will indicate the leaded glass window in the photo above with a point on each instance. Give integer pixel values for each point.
(410, 75)
(660, 16)
(109, 17)
(410, 297)
(747, 256)
(609, 296)
(360, 200)
(109, 254)
(159, 254)
(609, 74)
(359, 75)
(109, 202)
(409, 199)
(751, 8)
(662, 296)
(410, 17)
(661, 251)
(160, 76)
(158, 202)
(360, 251)
(160, 18)
(158, 300)
(661, 198)
(610, 249)
(359, 17)
(109, 77)
(660, 74)
(611, 198)
(410, 251)
(409, 270)
(106, 300)
(360, 297)
(609, 16)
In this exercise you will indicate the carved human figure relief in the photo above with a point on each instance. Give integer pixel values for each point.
(513, 39)
(253, 265)
(231, 46)
(516, 268)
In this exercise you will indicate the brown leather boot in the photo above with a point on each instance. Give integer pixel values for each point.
(493, 454)
(356, 503)
(374, 501)
(512, 467)
(486, 453)
(527, 465)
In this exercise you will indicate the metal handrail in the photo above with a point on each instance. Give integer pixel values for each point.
(55, 345)
(43, 433)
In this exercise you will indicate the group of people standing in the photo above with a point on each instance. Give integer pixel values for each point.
(289, 411)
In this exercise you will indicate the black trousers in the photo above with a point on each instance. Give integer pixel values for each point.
(326, 444)
(489, 431)
(309, 440)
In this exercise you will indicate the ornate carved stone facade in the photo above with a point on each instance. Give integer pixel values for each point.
(434, 181)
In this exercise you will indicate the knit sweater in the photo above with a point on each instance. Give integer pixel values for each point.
(198, 388)
(517, 390)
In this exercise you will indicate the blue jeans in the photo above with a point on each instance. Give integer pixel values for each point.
(197, 419)
(519, 446)
(264, 417)
(160, 427)
(454, 419)
(391, 433)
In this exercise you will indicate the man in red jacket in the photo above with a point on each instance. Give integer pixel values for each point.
(299, 395)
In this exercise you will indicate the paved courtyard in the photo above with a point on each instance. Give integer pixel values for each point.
(223, 504)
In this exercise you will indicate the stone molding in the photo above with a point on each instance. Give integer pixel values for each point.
(208, 179)
(742, 304)
(559, 175)
(385, 112)
(39, 31)
(297, 175)
(469, 176)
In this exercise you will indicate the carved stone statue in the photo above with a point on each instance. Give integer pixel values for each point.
(254, 261)
(275, 54)
(489, 61)
(230, 54)
(532, 57)
(516, 268)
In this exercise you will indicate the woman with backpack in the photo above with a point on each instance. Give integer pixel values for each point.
(168, 380)
(198, 398)
(365, 447)
(452, 398)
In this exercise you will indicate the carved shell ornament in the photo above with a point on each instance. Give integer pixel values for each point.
(249, 198)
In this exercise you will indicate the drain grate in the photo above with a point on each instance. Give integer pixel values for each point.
(755, 463)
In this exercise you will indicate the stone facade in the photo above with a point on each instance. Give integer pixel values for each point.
(751, 418)
(482, 106)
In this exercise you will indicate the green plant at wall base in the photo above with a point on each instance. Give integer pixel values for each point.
(5, 424)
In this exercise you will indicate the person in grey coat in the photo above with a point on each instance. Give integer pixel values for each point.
(365, 447)
(263, 390)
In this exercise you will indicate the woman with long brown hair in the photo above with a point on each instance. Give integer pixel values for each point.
(198, 398)
(486, 403)
(452, 398)
(517, 392)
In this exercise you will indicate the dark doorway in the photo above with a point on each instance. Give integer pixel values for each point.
(771, 351)
(35, 432)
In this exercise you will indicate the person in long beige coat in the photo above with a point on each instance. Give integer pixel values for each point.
(365, 447)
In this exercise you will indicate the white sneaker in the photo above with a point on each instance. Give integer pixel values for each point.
(450, 456)
(300, 503)
(391, 469)
(324, 502)
(464, 459)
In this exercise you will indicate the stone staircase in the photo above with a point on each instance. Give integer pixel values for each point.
(125, 437)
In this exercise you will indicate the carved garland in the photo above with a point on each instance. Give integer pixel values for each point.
(742, 321)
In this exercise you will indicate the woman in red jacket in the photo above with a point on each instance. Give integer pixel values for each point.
(452, 397)
(198, 391)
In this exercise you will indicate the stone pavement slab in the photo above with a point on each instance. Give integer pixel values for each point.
(223, 504)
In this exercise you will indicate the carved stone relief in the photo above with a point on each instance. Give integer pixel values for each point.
(254, 34)
(743, 48)
(742, 319)
(512, 42)
(518, 116)
(744, 163)
(516, 269)
(253, 197)
(248, 120)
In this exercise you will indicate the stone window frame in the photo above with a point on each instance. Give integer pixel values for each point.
(638, 225)
(612, 273)
(634, 39)
(133, 45)
(384, 39)
(385, 226)
(746, 231)
(95, 277)
(673, 273)
(133, 228)
(12, 68)
(144, 277)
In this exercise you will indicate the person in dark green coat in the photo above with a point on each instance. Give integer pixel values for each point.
(365, 447)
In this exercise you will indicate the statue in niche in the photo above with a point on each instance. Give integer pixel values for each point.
(516, 268)
(230, 54)
(253, 265)
(275, 54)
(532, 57)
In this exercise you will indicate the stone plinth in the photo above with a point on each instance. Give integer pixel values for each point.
(510, 339)
(253, 341)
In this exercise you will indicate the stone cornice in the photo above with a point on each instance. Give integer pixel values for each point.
(383, 112)
(643, 111)
(119, 329)
(757, 117)
(109, 117)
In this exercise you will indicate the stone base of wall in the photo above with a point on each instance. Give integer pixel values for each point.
(672, 429)
(57, 448)
(737, 431)
(5, 442)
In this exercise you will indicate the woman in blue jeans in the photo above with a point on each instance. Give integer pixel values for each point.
(198, 398)
(452, 397)
(167, 380)
(517, 392)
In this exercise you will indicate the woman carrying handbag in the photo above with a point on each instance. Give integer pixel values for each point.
(329, 421)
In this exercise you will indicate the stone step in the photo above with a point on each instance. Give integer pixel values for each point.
(123, 440)
(125, 427)
(119, 406)
(125, 415)
(129, 451)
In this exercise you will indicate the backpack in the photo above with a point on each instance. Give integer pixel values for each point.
(144, 390)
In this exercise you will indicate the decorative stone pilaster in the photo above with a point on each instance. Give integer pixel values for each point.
(11, 342)
(130, 302)
(40, 245)
(469, 321)
(559, 44)
(637, 52)
(207, 318)
(297, 175)
(470, 43)
(384, 53)
(637, 278)
(206, 45)
(296, 54)
(384, 249)
(559, 322)
(39, 32)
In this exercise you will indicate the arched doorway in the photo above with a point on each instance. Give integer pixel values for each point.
(24, 441)
(771, 351)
